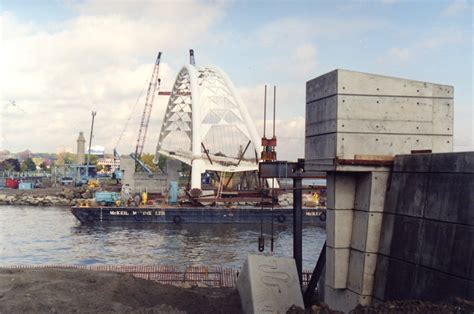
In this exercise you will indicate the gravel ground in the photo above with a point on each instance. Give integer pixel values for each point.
(81, 291)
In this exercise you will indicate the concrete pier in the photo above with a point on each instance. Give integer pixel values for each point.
(355, 125)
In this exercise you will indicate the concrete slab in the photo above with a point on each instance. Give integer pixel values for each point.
(453, 162)
(340, 190)
(337, 267)
(448, 248)
(450, 197)
(268, 284)
(339, 228)
(344, 300)
(407, 194)
(433, 285)
(412, 163)
(366, 230)
(362, 272)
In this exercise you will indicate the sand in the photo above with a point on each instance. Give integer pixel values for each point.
(83, 291)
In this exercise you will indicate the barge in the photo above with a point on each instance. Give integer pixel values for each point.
(185, 215)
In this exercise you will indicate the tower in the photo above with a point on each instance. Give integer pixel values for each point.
(81, 144)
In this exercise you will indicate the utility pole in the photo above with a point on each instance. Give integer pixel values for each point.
(90, 142)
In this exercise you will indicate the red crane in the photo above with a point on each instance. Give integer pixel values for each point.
(153, 87)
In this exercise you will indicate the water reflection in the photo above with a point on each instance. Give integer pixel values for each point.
(36, 235)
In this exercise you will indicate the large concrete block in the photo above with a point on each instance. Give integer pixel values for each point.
(450, 197)
(401, 237)
(344, 300)
(357, 83)
(399, 279)
(366, 230)
(407, 193)
(448, 248)
(412, 163)
(321, 116)
(339, 228)
(361, 272)
(337, 267)
(453, 162)
(341, 189)
(370, 191)
(268, 284)
(433, 285)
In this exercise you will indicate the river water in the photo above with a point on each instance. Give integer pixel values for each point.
(49, 235)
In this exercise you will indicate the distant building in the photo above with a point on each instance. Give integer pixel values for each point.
(113, 163)
(97, 150)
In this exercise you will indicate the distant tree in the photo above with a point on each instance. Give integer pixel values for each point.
(162, 162)
(99, 168)
(44, 165)
(10, 164)
(148, 160)
(65, 158)
(23, 166)
(37, 161)
(30, 164)
(93, 159)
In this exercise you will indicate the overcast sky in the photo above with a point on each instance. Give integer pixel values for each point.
(62, 59)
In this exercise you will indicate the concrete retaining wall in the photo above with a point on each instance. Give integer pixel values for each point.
(427, 241)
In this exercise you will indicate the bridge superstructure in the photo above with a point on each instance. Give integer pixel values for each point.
(207, 125)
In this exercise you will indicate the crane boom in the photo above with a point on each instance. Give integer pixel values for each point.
(153, 87)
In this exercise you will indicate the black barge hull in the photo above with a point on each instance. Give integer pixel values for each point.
(179, 215)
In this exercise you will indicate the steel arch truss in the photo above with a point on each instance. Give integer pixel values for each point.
(207, 126)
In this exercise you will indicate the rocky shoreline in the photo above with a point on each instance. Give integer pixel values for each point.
(46, 197)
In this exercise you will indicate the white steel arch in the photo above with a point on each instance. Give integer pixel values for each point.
(207, 125)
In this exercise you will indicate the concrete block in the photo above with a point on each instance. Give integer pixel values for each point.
(399, 280)
(380, 278)
(358, 83)
(320, 147)
(321, 116)
(402, 237)
(268, 284)
(370, 191)
(339, 228)
(341, 190)
(412, 163)
(448, 248)
(363, 191)
(337, 267)
(361, 272)
(321, 87)
(450, 197)
(351, 144)
(386, 234)
(462, 162)
(433, 285)
(344, 300)
(407, 193)
(366, 230)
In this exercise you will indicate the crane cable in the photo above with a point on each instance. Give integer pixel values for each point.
(131, 113)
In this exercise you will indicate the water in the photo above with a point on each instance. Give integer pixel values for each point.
(48, 235)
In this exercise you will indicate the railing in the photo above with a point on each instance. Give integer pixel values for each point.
(203, 276)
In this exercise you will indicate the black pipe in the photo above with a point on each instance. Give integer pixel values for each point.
(313, 282)
(298, 225)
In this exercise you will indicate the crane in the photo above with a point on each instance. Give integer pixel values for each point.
(153, 87)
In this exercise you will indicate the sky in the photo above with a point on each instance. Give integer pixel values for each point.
(59, 60)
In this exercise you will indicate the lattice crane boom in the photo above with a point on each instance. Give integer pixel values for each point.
(153, 88)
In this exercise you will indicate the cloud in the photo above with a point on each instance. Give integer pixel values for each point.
(456, 7)
(408, 54)
(100, 59)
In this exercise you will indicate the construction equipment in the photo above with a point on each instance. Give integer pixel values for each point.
(153, 87)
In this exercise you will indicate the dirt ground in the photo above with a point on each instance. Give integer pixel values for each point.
(82, 291)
